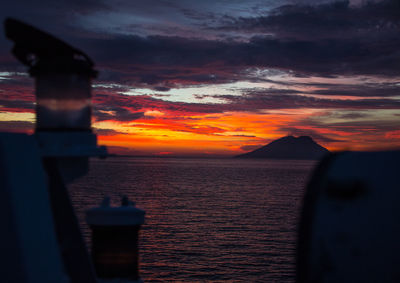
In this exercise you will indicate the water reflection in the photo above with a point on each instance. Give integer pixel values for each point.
(206, 219)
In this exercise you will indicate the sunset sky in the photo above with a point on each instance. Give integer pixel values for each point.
(220, 77)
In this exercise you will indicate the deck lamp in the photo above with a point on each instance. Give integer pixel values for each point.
(63, 95)
(56, 154)
(63, 77)
(59, 152)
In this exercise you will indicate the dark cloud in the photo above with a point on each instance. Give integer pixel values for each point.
(360, 90)
(123, 150)
(209, 130)
(17, 87)
(351, 115)
(17, 126)
(160, 95)
(57, 19)
(323, 40)
(250, 147)
(148, 61)
(161, 88)
(245, 136)
(320, 40)
(107, 132)
(308, 132)
(109, 106)
(343, 39)
(368, 125)
(336, 19)
(363, 125)
(16, 105)
(114, 102)
(258, 100)
(110, 112)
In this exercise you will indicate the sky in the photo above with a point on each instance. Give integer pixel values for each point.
(220, 78)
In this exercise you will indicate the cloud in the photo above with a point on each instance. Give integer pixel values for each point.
(290, 46)
(393, 135)
(205, 130)
(259, 100)
(250, 147)
(17, 126)
(114, 102)
(351, 115)
(161, 88)
(244, 136)
(360, 90)
(372, 123)
(169, 62)
(16, 105)
(107, 132)
(111, 106)
(308, 132)
(16, 87)
(320, 40)
(333, 19)
(116, 113)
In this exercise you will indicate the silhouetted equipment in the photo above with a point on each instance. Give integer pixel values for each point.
(43, 242)
(62, 75)
(350, 228)
(115, 232)
(42, 51)
(30, 251)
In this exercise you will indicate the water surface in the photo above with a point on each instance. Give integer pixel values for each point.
(206, 219)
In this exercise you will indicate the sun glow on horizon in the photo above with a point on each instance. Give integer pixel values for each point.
(227, 119)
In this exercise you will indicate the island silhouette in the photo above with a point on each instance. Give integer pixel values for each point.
(289, 147)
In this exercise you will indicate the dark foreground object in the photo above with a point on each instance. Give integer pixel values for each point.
(115, 252)
(115, 234)
(349, 228)
(43, 242)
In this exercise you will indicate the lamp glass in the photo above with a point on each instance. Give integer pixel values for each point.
(63, 102)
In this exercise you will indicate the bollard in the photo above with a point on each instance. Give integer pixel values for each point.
(115, 233)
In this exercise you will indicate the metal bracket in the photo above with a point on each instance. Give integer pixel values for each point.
(69, 144)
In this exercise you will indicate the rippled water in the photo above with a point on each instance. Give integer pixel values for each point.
(206, 219)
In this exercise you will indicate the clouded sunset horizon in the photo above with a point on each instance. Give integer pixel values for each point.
(221, 78)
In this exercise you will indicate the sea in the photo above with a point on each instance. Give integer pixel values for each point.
(207, 220)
